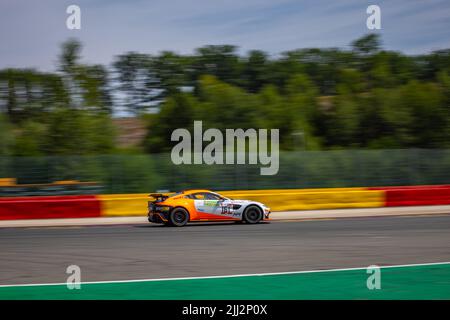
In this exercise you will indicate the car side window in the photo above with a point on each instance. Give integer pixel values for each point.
(198, 196)
(211, 196)
(204, 196)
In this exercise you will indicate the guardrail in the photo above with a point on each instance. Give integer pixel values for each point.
(277, 200)
(52, 207)
(416, 195)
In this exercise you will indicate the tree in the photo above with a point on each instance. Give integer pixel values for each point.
(69, 58)
(31, 139)
(94, 83)
(368, 44)
(137, 81)
(373, 130)
(335, 98)
(176, 112)
(27, 93)
(88, 86)
(172, 71)
(417, 115)
(225, 106)
(77, 132)
(350, 81)
(256, 73)
(6, 136)
(431, 65)
(220, 61)
(346, 119)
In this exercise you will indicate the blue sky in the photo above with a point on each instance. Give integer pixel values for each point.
(32, 31)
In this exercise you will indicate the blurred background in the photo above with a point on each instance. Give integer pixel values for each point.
(352, 109)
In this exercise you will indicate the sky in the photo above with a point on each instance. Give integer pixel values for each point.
(31, 32)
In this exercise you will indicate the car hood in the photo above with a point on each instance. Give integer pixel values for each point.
(247, 202)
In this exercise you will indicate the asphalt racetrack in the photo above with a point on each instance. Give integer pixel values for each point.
(125, 252)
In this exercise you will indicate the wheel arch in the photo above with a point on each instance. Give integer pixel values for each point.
(184, 208)
(253, 204)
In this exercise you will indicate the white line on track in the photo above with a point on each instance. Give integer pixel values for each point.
(227, 276)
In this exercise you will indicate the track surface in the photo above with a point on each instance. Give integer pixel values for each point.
(41, 255)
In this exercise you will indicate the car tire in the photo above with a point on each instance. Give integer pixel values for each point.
(252, 215)
(178, 217)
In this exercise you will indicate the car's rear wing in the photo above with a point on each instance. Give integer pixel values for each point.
(158, 197)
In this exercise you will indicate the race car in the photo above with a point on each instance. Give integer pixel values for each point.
(202, 205)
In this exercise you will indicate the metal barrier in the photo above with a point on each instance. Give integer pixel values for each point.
(308, 169)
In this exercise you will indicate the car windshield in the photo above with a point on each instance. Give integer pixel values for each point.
(220, 196)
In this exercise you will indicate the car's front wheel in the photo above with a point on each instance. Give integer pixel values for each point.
(252, 215)
(178, 217)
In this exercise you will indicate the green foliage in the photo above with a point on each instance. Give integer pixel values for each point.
(417, 116)
(27, 93)
(6, 136)
(367, 44)
(67, 113)
(255, 72)
(76, 132)
(328, 98)
(220, 61)
(31, 141)
(176, 112)
(86, 85)
(224, 105)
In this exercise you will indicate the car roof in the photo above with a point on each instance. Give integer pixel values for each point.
(195, 191)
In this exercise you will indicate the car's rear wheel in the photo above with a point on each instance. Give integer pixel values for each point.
(178, 217)
(252, 215)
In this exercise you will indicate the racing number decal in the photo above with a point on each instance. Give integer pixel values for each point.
(227, 208)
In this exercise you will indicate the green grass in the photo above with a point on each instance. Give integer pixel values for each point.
(412, 282)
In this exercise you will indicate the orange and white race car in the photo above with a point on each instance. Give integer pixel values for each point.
(202, 205)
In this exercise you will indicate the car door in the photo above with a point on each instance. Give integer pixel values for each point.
(209, 206)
